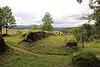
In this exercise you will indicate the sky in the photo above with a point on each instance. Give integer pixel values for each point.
(65, 13)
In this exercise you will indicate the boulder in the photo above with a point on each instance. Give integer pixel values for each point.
(72, 45)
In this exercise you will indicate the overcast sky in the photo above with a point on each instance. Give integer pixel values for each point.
(64, 12)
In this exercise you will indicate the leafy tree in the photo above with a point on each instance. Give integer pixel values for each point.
(84, 33)
(76, 32)
(95, 6)
(95, 16)
(9, 19)
(47, 19)
(88, 32)
(1, 20)
(35, 26)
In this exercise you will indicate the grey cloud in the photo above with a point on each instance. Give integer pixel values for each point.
(25, 16)
(68, 23)
(74, 17)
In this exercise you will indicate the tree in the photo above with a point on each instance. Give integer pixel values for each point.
(9, 19)
(95, 6)
(95, 16)
(47, 21)
(87, 31)
(1, 20)
(35, 26)
(84, 33)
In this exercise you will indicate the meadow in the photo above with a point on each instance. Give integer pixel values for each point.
(48, 52)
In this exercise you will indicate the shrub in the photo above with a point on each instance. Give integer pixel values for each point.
(84, 59)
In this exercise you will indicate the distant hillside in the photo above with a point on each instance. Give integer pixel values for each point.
(24, 27)
(30, 27)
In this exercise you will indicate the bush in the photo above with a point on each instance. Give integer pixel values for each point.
(84, 59)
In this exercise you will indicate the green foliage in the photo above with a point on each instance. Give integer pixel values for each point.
(84, 59)
(84, 32)
(92, 32)
(1, 20)
(47, 19)
(35, 26)
(88, 32)
(95, 6)
(8, 18)
(75, 32)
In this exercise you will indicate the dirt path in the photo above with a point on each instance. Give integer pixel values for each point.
(22, 50)
(28, 52)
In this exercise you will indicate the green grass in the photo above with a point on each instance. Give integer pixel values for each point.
(13, 40)
(19, 59)
(53, 45)
(49, 52)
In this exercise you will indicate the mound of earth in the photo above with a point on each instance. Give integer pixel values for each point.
(3, 46)
(34, 36)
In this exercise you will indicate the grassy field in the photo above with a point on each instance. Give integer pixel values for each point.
(48, 52)
(19, 59)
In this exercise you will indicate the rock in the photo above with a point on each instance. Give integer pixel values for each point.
(72, 45)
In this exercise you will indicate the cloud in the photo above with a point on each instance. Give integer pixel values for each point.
(25, 16)
(68, 23)
(64, 12)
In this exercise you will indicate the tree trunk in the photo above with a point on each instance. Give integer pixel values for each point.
(1, 30)
(82, 38)
(6, 28)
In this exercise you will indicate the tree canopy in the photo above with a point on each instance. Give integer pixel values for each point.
(47, 21)
(89, 32)
(35, 26)
(9, 19)
(6, 18)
